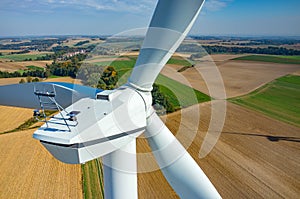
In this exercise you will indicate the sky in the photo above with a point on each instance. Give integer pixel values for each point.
(109, 17)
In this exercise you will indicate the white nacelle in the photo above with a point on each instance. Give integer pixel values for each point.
(104, 124)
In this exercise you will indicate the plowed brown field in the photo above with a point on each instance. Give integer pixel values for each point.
(255, 157)
(240, 77)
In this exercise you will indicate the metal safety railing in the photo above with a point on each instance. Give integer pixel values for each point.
(46, 96)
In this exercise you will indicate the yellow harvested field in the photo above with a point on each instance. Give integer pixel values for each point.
(29, 171)
(9, 51)
(6, 81)
(64, 79)
(240, 77)
(72, 42)
(14, 66)
(12, 117)
(255, 157)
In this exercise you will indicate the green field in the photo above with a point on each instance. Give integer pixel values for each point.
(122, 66)
(30, 68)
(129, 64)
(279, 99)
(271, 58)
(179, 61)
(92, 180)
(179, 94)
(22, 57)
(290, 57)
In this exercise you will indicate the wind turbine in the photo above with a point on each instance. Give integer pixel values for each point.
(93, 123)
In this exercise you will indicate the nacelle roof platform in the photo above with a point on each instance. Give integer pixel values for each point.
(101, 126)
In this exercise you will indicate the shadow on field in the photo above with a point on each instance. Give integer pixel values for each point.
(269, 137)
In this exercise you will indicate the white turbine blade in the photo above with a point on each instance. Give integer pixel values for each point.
(120, 173)
(22, 95)
(171, 22)
(178, 167)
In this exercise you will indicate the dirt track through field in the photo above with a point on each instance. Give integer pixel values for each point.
(255, 157)
(29, 171)
(240, 77)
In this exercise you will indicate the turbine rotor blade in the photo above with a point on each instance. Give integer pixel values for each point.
(178, 167)
(171, 22)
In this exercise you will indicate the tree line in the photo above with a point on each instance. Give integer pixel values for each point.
(26, 73)
(236, 50)
(240, 50)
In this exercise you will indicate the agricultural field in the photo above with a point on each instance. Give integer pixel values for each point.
(93, 186)
(22, 57)
(180, 95)
(247, 161)
(278, 99)
(12, 117)
(122, 66)
(6, 81)
(63, 79)
(81, 42)
(15, 66)
(272, 59)
(125, 63)
(176, 60)
(29, 171)
(239, 77)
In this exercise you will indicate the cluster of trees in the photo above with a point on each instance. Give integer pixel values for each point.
(89, 74)
(46, 57)
(66, 68)
(159, 98)
(28, 80)
(98, 77)
(108, 79)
